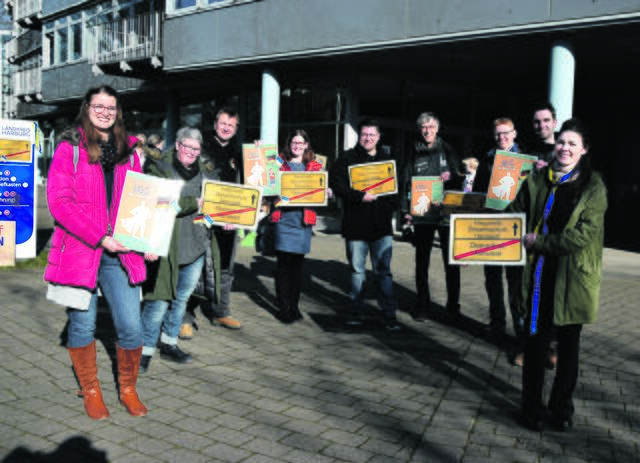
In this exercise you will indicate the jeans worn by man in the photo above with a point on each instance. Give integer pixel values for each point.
(380, 251)
(366, 224)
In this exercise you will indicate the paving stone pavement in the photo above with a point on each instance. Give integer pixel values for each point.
(317, 391)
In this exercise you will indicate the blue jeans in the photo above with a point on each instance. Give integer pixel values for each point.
(381, 252)
(124, 302)
(156, 315)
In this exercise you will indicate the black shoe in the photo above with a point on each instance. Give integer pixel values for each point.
(391, 324)
(145, 360)
(531, 422)
(419, 315)
(453, 311)
(174, 353)
(355, 319)
(562, 424)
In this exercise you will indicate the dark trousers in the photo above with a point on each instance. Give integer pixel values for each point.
(288, 281)
(495, 292)
(423, 239)
(227, 242)
(535, 356)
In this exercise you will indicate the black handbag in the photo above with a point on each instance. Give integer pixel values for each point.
(265, 237)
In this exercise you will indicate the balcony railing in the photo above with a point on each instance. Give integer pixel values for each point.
(129, 39)
(23, 45)
(12, 49)
(27, 84)
(24, 10)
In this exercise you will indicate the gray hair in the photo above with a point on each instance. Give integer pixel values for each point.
(427, 117)
(190, 133)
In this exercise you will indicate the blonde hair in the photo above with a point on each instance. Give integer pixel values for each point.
(503, 121)
(471, 163)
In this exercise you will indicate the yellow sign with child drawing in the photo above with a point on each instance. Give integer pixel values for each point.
(425, 191)
(509, 171)
(147, 212)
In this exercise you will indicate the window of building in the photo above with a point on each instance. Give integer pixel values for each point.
(185, 6)
(69, 38)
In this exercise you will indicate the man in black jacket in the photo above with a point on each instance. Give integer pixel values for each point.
(504, 140)
(430, 156)
(225, 153)
(366, 224)
(544, 126)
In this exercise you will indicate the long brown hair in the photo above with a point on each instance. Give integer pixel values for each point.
(92, 136)
(308, 154)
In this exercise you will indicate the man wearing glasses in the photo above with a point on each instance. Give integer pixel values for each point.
(504, 135)
(430, 156)
(224, 155)
(366, 225)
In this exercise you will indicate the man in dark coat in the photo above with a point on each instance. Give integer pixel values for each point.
(366, 224)
(430, 156)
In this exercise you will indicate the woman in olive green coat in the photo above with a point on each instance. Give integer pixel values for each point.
(565, 205)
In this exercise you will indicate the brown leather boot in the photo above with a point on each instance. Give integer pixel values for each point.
(128, 365)
(84, 364)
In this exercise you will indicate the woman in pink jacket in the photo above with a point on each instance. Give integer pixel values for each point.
(83, 190)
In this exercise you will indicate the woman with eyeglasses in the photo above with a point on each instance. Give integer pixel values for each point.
(565, 203)
(84, 186)
(293, 230)
(173, 278)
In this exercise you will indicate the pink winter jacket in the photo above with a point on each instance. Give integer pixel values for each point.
(78, 204)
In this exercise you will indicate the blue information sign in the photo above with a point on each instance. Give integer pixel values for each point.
(20, 145)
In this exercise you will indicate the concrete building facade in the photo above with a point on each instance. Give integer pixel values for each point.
(322, 65)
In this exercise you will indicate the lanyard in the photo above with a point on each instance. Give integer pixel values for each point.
(543, 229)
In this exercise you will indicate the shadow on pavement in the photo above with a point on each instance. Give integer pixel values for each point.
(76, 449)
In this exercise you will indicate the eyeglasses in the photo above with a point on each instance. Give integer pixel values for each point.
(100, 109)
(298, 143)
(369, 135)
(188, 148)
(502, 134)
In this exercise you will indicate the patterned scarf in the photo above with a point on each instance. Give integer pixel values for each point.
(109, 154)
(542, 228)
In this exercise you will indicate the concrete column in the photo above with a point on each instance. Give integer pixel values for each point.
(270, 115)
(561, 80)
(351, 118)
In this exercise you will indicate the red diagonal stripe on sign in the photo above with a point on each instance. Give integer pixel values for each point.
(378, 184)
(487, 249)
(15, 154)
(237, 211)
(306, 193)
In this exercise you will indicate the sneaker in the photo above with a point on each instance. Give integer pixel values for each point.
(173, 353)
(145, 360)
(227, 322)
(186, 331)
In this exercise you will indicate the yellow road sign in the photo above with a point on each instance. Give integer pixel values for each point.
(378, 178)
(487, 239)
